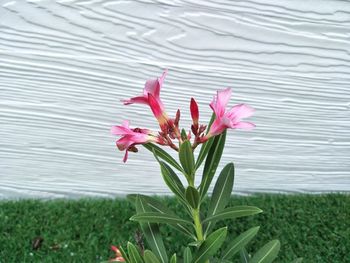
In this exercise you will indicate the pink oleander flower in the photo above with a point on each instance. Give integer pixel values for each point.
(131, 137)
(151, 97)
(231, 118)
(118, 255)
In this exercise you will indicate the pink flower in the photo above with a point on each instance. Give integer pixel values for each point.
(151, 97)
(228, 119)
(131, 137)
(118, 255)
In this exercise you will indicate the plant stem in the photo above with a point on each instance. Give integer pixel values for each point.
(197, 224)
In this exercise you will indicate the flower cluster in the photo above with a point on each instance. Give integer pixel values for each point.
(206, 243)
(169, 127)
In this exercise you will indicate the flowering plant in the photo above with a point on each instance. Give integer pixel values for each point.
(207, 242)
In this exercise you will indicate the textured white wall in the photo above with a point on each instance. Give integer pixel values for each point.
(65, 65)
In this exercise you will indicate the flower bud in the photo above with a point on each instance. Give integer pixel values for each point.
(194, 112)
(177, 118)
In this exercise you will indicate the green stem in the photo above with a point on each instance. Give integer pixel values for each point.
(198, 224)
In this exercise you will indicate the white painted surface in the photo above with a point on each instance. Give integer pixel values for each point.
(64, 66)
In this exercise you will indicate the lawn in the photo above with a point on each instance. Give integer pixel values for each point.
(315, 227)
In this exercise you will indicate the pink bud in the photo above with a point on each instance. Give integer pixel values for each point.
(194, 112)
(177, 118)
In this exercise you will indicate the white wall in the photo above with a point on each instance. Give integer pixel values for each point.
(64, 67)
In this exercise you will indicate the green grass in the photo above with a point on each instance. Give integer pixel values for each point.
(316, 227)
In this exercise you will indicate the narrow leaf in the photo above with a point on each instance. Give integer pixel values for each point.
(234, 212)
(187, 255)
(155, 217)
(149, 257)
(172, 181)
(297, 260)
(154, 205)
(205, 146)
(244, 256)
(203, 152)
(124, 254)
(173, 259)
(239, 243)
(221, 193)
(134, 254)
(209, 247)
(186, 158)
(163, 155)
(267, 253)
(151, 232)
(192, 197)
(196, 243)
(212, 162)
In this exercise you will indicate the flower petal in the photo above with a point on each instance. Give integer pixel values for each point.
(138, 99)
(224, 97)
(156, 107)
(115, 249)
(217, 127)
(220, 101)
(121, 130)
(245, 125)
(153, 86)
(124, 142)
(240, 111)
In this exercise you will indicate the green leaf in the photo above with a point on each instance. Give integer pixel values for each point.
(149, 257)
(244, 256)
(183, 135)
(196, 243)
(173, 259)
(203, 152)
(155, 205)
(298, 260)
(155, 217)
(173, 181)
(212, 162)
(267, 253)
(234, 212)
(239, 243)
(205, 146)
(187, 255)
(192, 197)
(221, 193)
(209, 247)
(151, 232)
(134, 254)
(186, 158)
(163, 155)
(124, 254)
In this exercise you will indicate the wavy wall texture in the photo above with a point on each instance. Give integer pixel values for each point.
(65, 65)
